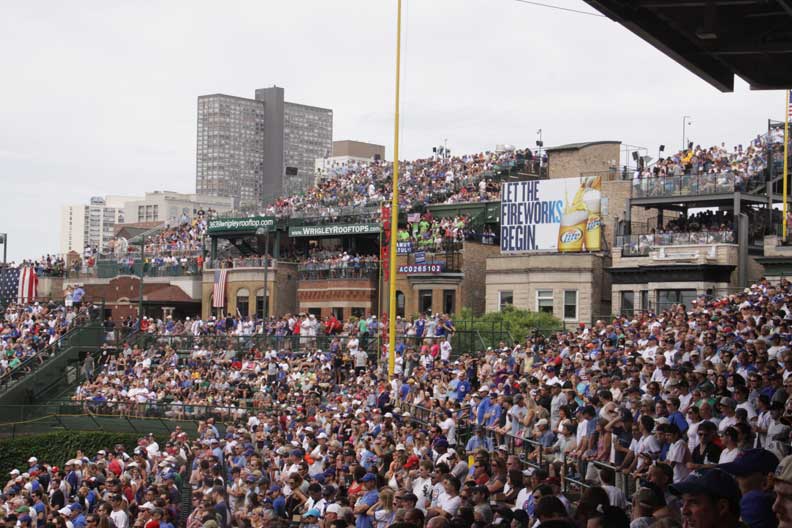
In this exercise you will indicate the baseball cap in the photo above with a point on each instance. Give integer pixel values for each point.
(730, 402)
(649, 497)
(756, 508)
(313, 512)
(333, 508)
(368, 477)
(714, 482)
(751, 461)
(784, 470)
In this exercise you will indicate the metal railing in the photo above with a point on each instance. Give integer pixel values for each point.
(35, 361)
(640, 245)
(241, 262)
(323, 271)
(692, 185)
(107, 269)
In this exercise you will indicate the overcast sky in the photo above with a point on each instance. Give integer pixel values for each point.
(99, 97)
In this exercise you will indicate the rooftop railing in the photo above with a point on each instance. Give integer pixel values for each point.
(640, 245)
(324, 271)
(692, 185)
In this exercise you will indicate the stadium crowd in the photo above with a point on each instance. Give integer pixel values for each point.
(676, 417)
(26, 329)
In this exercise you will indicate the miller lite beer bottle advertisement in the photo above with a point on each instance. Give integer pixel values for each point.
(552, 215)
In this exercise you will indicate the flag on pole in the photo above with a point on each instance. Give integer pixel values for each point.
(218, 293)
(18, 285)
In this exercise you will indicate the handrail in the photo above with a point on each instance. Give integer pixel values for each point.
(693, 184)
(5, 386)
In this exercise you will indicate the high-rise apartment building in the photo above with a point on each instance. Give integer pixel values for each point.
(254, 150)
(92, 224)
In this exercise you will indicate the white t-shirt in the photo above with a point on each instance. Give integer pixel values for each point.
(729, 455)
(678, 456)
(448, 503)
(422, 488)
(120, 519)
(361, 358)
(449, 426)
(445, 350)
(726, 422)
(692, 434)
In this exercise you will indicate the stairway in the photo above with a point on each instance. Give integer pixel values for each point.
(50, 376)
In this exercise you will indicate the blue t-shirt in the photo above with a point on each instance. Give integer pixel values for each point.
(362, 520)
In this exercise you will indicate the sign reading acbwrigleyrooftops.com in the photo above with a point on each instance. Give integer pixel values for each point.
(334, 230)
(241, 225)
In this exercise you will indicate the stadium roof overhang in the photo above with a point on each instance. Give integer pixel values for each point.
(715, 39)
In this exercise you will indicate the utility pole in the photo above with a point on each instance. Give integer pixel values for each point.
(4, 241)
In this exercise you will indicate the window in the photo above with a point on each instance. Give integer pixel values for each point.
(315, 311)
(424, 301)
(570, 304)
(338, 312)
(628, 302)
(449, 296)
(665, 298)
(544, 301)
(505, 298)
(400, 303)
(260, 302)
(358, 312)
(644, 299)
(243, 301)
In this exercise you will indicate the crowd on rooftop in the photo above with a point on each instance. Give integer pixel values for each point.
(650, 412)
(421, 182)
(743, 163)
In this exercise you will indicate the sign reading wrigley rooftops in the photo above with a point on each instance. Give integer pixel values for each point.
(334, 230)
(240, 225)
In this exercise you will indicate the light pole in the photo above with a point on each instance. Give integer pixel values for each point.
(540, 144)
(685, 123)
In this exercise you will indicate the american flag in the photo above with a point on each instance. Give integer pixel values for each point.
(219, 288)
(18, 285)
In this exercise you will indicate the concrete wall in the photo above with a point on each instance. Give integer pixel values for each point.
(524, 275)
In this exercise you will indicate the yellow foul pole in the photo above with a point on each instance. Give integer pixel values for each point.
(787, 102)
(394, 209)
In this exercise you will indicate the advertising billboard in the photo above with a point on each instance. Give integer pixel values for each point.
(551, 215)
(240, 225)
(334, 229)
